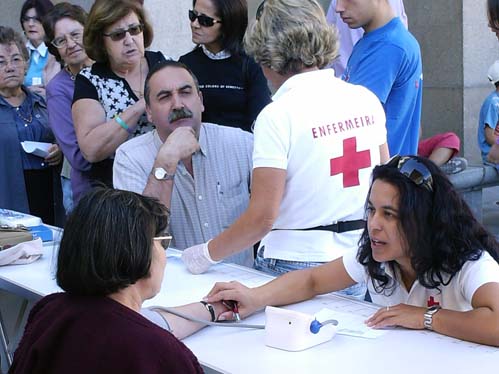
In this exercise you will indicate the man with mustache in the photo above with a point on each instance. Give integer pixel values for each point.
(200, 171)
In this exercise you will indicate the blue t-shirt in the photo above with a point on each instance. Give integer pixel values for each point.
(388, 62)
(489, 115)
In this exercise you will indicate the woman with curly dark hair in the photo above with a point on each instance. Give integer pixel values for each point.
(423, 255)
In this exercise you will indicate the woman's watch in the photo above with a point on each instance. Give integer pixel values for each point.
(428, 316)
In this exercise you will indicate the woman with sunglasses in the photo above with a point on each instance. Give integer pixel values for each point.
(111, 259)
(63, 27)
(425, 258)
(108, 104)
(42, 64)
(233, 86)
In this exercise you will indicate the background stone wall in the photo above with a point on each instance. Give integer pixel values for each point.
(457, 49)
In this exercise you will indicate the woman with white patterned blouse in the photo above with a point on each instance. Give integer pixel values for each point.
(108, 104)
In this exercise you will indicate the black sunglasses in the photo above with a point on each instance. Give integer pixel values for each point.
(28, 18)
(203, 20)
(121, 33)
(413, 169)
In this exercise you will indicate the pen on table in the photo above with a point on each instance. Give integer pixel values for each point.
(219, 188)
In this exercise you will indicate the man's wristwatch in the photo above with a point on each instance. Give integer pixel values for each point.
(161, 174)
(428, 316)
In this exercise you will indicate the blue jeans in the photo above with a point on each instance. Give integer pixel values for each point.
(278, 267)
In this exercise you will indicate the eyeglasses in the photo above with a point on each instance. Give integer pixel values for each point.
(259, 10)
(120, 34)
(16, 62)
(165, 241)
(34, 19)
(61, 41)
(203, 20)
(413, 169)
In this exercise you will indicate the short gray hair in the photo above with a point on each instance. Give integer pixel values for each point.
(291, 35)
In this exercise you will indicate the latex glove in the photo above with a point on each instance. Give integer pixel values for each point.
(197, 258)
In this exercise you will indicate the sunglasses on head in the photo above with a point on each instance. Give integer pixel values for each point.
(259, 10)
(164, 241)
(120, 34)
(413, 169)
(203, 20)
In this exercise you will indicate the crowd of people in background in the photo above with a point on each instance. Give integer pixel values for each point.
(145, 147)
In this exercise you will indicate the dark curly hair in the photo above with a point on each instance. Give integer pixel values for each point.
(107, 242)
(438, 226)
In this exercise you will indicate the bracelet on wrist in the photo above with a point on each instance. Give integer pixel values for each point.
(210, 309)
(123, 124)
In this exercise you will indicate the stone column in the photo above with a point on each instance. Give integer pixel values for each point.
(457, 49)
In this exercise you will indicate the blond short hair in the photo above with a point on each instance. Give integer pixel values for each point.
(291, 35)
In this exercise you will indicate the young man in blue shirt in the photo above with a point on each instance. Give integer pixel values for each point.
(387, 60)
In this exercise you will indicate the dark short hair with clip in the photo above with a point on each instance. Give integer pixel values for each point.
(107, 242)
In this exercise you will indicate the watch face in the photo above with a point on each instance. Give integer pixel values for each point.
(159, 173)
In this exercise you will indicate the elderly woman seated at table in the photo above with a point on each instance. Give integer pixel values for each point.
(108, 104)
(26, 182)
(111, 259)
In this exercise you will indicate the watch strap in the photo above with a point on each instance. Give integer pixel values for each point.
(428, 316)
(210, 309)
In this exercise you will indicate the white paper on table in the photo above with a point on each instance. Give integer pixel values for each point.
(350, 324)
(36, 148)
(13, 218)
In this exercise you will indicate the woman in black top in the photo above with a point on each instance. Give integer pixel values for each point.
(108, 103)
(233, 86)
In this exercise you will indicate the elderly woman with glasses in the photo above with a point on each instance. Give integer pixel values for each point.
(423, 254)
(111, 259)
(42, 64)
(63, 27)
(26, 182)
(234, 88)
(314, 149)
(108, 104)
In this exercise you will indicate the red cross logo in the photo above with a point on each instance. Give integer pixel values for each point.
(431, 301)
(350, 163)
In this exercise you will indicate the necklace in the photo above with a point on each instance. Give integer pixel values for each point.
(28, 119)
(73, 76)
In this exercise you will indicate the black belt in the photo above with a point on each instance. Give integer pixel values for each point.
(338, 227)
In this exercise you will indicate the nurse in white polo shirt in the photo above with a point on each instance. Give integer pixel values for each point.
(424, 256)
(314, 149)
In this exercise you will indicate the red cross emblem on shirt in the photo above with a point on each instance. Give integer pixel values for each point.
(350, 163)
(431, 301)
